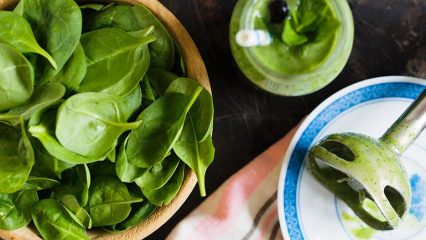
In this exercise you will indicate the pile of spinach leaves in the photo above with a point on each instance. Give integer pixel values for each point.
(98, 123)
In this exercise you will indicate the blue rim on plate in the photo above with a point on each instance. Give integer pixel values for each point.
(345, 99)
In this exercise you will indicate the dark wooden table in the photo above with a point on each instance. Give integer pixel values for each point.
(390, 39)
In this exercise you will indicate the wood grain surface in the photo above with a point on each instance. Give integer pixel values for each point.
(390, 39)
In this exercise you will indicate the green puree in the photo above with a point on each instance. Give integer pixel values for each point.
(302, 42)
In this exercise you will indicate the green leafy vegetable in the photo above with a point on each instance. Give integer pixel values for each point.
(18, 34)
(57, 27)
(43, 97)
(162, 50)
(71, 203)
(131, 81)
(54, 222)
(45, 133)
(139, 213)
(160, 79)
(109, 201)
(201, 111)
(149, 94)
(15, 209)
(133, 101)
(111, 56)
(157, 176)
(125, 171)
(76, 182)
(195, 146)
(35, 183)
(179, 65)
(74, 70)
(134, 18)
(161, 126)
(93, 6)
(16, 158)
(46, 164)
(117, 16)
(291, 37)
(16, 78)
(310, 21)
(96, 119)
(197, 155)
(167, 193)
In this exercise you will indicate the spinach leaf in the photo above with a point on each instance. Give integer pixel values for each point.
(89, 124)
(125, 171)
(17, 33)
(161, 126)
(93, 6)
(202, 113)
(109, 201)
(76, 182)
(74, 70)
(195, 146)
(167, 193)
(71, 203)
(291, 37)
(134, 76)
(57, 27)
(133, 101)
(157, 176)
(197, 155)
(39, 183)
(38, 116)
(160, 79)
(15, 209)
(112, 155)
(133, 18)
(16, 78)
(16, 158)
(117, 16)
(110, 56)
(148, 92)
(162, 50)
(46, 164)
(139, 213)
(310, 21)
(53, 221)
(45, 133)
(179, 65)
(202, 110)
(43, 97)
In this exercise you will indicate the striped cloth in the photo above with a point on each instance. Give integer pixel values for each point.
(244, 207)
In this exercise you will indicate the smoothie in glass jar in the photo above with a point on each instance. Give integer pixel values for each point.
(292, 47)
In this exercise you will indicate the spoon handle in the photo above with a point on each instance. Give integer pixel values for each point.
(408, 127)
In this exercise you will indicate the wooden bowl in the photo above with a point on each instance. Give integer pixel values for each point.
(196, 70)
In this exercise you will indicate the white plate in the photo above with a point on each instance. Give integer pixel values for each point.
(306, 209)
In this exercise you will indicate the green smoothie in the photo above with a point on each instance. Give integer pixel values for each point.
(283, 58)
(308, 49)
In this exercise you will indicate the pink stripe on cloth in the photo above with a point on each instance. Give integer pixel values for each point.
(241, 207)
(267, 225)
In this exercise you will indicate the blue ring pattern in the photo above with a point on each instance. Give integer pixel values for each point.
(373, 92)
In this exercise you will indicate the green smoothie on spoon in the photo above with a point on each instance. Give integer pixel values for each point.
(291, 47)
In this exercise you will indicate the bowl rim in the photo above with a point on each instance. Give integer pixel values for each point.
(195, 69)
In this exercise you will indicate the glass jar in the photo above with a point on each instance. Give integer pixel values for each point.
(293, 84)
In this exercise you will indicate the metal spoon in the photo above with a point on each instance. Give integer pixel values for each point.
(356, 167)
